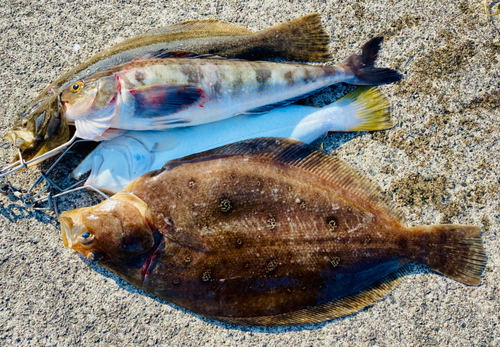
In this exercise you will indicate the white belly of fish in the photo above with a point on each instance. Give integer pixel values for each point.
(117, 162)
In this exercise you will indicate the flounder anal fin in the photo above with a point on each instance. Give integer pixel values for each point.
(163, 99)
(301, 155)
(165, 53)
(334, 309)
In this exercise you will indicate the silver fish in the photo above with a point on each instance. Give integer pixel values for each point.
(157, 94)
(117, 162)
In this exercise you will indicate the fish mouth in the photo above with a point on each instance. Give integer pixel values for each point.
(71, 226)
(22, 139)
(150, 262)
(67, 233)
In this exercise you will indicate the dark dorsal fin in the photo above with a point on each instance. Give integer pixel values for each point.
(266, 108)
(306, 157)
(318, 143)
(334, 309)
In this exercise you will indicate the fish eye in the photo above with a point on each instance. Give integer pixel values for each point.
(76, 87)
(86, 238)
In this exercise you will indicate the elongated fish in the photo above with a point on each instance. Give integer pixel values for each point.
(117, 162)
(157, 94)
(42, 126)
(264, 232)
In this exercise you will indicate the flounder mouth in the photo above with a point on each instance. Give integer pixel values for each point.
(67, 231)
(71, 226)
(150, 261)
(22, 139)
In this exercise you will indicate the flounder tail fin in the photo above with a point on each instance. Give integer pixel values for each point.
(455, 251)
(299, 39)
(365, 109)
(362, 67)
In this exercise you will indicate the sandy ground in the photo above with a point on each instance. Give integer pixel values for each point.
(440, 163)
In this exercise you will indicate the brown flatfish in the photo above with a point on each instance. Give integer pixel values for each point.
(265, 232)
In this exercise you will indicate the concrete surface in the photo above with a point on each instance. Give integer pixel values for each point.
(440, 163)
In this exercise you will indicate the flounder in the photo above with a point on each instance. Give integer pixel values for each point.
(264, 232)
(42, 126)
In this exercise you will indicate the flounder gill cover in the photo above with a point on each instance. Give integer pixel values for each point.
(265, 232)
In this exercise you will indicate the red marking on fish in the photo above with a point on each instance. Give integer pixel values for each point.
(119, 87)
(204, 98)
(149, 260)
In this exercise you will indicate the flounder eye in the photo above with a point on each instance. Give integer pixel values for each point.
(76, 87)
(86, 238)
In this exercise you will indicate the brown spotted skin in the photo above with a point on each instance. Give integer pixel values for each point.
(264, 232)
(275, 239)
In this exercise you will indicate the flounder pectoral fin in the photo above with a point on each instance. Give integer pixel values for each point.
(340, 307)
(164, 99)
(185, 238)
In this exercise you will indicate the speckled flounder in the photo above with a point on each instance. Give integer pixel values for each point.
(42, 126)
(264, 232)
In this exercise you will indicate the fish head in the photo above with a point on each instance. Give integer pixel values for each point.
(87, 96)
(40, 128)
(114, 231)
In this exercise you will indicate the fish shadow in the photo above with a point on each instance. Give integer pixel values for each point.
(412, 269)
(15, 212)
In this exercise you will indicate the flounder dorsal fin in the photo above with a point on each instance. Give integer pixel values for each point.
(334, 309)
(301, 155)
(212, 26)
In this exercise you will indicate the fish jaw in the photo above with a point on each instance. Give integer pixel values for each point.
(39, 129)
(21, 138)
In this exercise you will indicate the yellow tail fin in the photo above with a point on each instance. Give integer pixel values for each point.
(368, 109)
